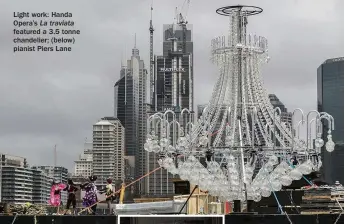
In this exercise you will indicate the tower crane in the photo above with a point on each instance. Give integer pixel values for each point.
(182, 21)
(152, 62)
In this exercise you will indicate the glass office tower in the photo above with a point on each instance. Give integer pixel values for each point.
(130, 108)
(330, 97)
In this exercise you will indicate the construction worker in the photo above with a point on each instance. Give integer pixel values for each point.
(108, 190)
(27, 205)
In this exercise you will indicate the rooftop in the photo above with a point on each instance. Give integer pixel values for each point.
(103, 122)
(332, 60)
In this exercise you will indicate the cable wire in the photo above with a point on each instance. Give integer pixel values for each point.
(118, 191)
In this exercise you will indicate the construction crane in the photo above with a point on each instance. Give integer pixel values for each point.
(182, 21)
(152, 62)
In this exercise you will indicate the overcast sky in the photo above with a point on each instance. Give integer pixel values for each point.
(55, 98)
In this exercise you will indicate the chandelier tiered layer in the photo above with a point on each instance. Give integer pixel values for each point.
(239, 149)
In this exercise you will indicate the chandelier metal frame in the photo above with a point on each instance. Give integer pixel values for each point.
(239, 149)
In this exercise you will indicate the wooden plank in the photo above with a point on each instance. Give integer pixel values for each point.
(316, 196)
(142, 200)
(322, 206)
(315, 212)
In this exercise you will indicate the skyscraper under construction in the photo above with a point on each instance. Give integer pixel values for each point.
(173, 87)
(173, 90)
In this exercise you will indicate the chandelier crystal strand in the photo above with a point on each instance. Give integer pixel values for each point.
(249, 151)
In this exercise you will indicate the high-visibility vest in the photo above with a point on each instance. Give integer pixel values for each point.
(109, 189)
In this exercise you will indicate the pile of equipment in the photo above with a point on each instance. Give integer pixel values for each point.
(323, 200)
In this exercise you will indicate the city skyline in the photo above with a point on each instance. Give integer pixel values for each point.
(57, 97)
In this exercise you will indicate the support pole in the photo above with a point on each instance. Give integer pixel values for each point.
(242, 157)
(190, 195)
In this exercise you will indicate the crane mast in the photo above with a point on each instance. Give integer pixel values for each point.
(182, 21)
(184, 38)
(152, 62)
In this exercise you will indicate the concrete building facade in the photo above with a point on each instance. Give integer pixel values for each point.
(57, 173)
(41, 187)
(17, 184)
(21, 184)
(108, 151)
(83, 166)
(119, 149)
(10, 160)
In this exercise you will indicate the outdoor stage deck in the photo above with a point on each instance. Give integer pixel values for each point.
(229, 219)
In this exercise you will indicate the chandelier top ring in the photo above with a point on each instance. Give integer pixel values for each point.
(249, 10)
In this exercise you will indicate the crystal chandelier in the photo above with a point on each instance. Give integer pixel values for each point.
(239, 149)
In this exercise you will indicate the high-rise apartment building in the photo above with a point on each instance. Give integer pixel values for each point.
(108, 150)
(41, 186)
(17, 184)
(10, 160)
(119, 150)
(21, 184)
(330, 99)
